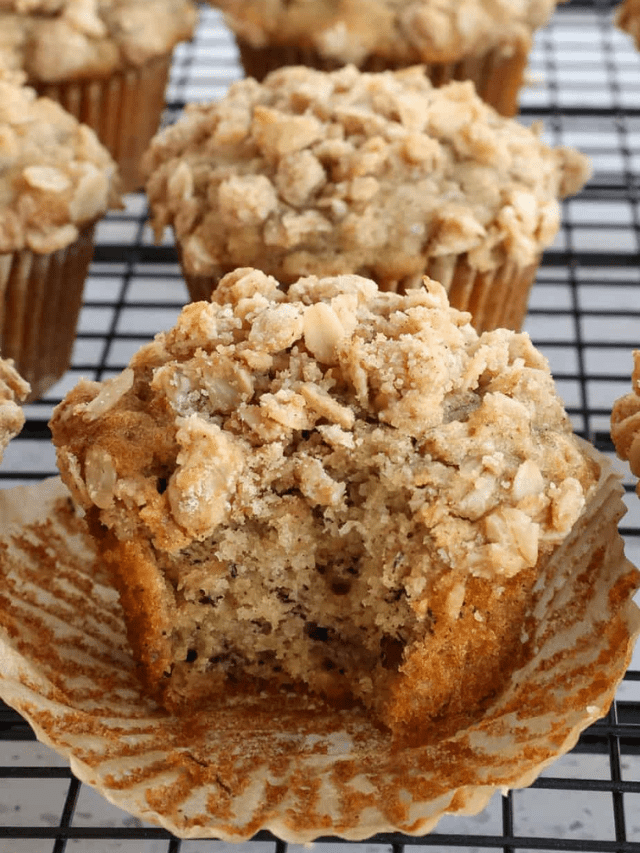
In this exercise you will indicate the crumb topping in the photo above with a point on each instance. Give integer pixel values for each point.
(55, 177)
(13, 390)
(331, 404)
(324, 173)
(407, 31)
(53, 40)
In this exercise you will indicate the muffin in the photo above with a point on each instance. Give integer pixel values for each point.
(106, 61)
(485, 42)
(56, 181)
(333, 491)
(380, 175)
(625, 421)
(13, 390)
(627, 17)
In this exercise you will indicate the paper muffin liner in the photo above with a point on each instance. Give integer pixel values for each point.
(495, 299)
(497, 74)
(292, 765)
(40, 301)
(124, 109)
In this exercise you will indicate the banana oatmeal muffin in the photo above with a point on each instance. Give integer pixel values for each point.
(106, 61)
(13, 390)
(56, 181)
(485, 41)
(625, 422)
(334, 489)
(381, 175)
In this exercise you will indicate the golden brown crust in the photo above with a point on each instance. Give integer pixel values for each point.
(315, 173)
(236, 466)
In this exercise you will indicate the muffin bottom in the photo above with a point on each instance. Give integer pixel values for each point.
(495, 299)
(124, 110)
(40, 301)
(498, 74)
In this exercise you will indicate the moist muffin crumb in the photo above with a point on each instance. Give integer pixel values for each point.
(332, 489)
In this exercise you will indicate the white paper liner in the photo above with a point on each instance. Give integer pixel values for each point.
(296, 767)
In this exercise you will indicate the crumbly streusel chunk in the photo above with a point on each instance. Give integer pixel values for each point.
(332, 486)
(402, 30)
(13, 389)
(53, 40)
(325, 173)
(55, 177)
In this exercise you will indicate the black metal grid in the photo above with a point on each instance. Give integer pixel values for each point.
(584, 315)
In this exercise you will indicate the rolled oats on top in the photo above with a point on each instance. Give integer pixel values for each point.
(345, 172)
(333, 489)
(55, 177)
(55, 40)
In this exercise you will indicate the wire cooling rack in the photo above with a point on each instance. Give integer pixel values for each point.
(584, 315)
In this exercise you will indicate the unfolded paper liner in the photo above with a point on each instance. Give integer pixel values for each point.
(40, 301)
(123, 109)
(295, 767)
(498, 74)
(496, 298)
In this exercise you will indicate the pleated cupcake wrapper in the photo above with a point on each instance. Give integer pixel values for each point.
(498, 74)
(495, 299)
(124, 109)
(40, 301)
(293, 765)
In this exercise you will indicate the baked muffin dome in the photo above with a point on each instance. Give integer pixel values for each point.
(381, 175)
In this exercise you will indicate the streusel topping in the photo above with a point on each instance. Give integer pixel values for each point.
(55, 177)
(53, 40)
(403, 30)
(13, 389)
(361, 404)
(325, 173)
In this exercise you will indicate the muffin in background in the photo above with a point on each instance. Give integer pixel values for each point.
(231, 472)
(13, 391)
(105, 61)
(485, 42)
(625, 422)
(56, 181)
(379, 174)
(627, 17)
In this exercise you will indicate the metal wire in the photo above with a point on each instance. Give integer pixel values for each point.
(584, 315)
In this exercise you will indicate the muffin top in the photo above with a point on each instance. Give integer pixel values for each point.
(13, 389)
(55, 177)
(276, 425)
(59, 40)
(406, 31)
(320, 173)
